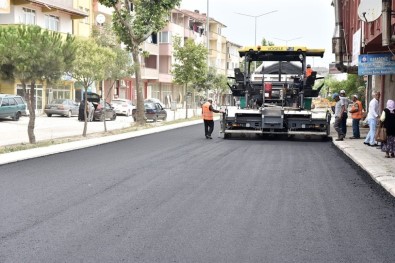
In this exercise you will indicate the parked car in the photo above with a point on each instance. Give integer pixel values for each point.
(155, 101)
(107, 112)
(13, 106)
(63, 107)
(123, 106)
(153, 111)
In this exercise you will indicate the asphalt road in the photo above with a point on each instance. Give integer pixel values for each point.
(178, 197)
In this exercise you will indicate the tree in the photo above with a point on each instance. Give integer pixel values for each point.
(190, 65)
(32, 54)
(123, 64)
(134, 21)
(91, 64)
(354, 84)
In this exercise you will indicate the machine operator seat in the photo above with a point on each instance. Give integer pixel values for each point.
(239, 76)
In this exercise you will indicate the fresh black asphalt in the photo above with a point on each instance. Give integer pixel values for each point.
(175, 196)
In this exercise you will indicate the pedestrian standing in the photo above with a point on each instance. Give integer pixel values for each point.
(339, 108)
(372, 118)
(356, 115)
(344, 101)
(388, 119)
(208, 117)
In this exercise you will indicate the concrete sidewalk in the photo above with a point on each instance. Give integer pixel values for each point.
(370, 159)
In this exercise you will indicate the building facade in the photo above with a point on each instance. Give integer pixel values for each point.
(80, 17)
(366, 30)
(55, 15)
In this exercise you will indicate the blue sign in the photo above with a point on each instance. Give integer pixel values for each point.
(376, 64)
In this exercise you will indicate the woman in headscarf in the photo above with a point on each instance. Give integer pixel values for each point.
(388, 119)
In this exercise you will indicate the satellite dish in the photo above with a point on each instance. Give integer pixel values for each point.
(370, 10)
(100, 18)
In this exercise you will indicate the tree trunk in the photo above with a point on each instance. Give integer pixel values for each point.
(31, 104)
(140, 111)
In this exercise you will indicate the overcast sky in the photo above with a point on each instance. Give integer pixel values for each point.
(307, 23)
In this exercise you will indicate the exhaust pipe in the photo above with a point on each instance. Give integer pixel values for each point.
(338, 42)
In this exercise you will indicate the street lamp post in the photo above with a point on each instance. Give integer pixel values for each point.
(256, 17)
(287, 40)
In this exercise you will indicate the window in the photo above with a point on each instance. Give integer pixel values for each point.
(164, 37)
(29, 16)
(85, 20)
(52, 22)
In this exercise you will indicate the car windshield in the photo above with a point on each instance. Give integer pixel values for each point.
(149, 105)
(58, 102)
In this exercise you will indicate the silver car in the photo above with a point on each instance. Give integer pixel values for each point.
(63, 107)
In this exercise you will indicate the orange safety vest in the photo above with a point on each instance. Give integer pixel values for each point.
(308, 72)
(207, 114)
(358, 114)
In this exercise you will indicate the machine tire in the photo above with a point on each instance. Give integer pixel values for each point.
(49, 115)
(114, 117)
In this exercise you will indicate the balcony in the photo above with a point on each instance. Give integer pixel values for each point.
(149, 73)
(153, 49)
(213, 36)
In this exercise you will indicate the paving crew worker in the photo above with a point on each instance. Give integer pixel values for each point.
(344, 101)
(339, 108)
(356, 115)
(308, 70)
(207, 114)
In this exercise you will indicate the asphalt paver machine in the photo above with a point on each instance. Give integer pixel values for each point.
(278, 103)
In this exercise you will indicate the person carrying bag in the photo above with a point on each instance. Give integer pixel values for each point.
(387, 129)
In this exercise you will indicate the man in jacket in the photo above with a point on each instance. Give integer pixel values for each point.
(339, 108)
(208, 118)
(356, 115)
(344, 102)
(373, 115)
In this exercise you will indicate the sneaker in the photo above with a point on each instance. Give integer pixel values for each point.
(373, 145)
(366, 143)
(339, 139)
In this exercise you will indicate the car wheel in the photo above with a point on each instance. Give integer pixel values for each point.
(102, 117)
(68, 114)
(114, 117)
(134, 119)
(164, 118)
(49, 115)
(128, 113)
(16, 116)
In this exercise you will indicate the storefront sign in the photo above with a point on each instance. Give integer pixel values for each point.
(376, 64)
(5, 7)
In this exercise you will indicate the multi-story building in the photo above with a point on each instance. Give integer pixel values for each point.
(55, 15)
(363, 35)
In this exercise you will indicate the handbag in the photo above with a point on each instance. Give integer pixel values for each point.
(381, 133)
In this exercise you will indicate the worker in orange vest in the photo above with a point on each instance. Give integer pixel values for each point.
(308, 70)
(208, 117)
(356, 115)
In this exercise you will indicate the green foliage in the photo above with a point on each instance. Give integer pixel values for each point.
(92, 62)
(190, 65)
(354, 84)
(29, 53)
(147, 16)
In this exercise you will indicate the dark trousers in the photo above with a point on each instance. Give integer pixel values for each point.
(343, 124)
(208, 127)
(355, 128)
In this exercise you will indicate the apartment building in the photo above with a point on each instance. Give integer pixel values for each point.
(56, 15)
